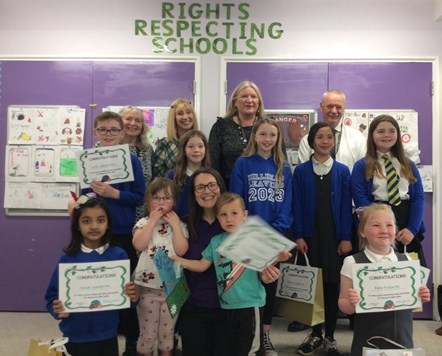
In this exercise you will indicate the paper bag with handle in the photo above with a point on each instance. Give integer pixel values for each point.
(301, 291)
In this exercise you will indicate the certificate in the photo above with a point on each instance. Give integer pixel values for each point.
(104, 164)
(86, 287)
(297, 282)
(385, 287)
(255, 244)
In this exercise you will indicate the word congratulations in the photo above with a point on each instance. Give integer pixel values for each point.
(206, 28)
(97, 276)
(391, 276)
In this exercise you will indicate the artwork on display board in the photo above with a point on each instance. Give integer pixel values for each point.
(42, 144)
(407, 120)
(155, 118)
(294, 124)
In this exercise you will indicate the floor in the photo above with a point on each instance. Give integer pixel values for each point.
(16, 329)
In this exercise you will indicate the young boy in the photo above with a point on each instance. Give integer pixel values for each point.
(240, 289)
(122, 199)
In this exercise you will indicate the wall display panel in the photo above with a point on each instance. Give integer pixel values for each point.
(381, 85)
(32, 245)
(284, 85)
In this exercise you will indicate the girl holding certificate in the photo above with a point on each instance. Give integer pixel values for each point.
(263, 178)
(89, 333)
(377, 230)
(387, 175)
(322, 211)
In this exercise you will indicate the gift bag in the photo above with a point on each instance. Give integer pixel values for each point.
(48, 348)
(396, 349)
(304, 304)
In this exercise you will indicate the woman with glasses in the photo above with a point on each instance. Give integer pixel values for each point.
(135, 134)
(201, 322)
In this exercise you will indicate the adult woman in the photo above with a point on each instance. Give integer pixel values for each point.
(182, 118)
(230, 135)
(201, 322)
(135, 134)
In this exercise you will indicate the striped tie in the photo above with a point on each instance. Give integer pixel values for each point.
(392, 182)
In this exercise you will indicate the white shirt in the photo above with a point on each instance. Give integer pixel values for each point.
(349, 261)
(352, 147)
(380, 192)
(321, 169)
(99, 250)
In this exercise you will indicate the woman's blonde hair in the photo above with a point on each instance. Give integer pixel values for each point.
(182, 161)
(278, 153)
(178, 104)
(373, 166)
(142, 141)
(366, 213)
(232, 110)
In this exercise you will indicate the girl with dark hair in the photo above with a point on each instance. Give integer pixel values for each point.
(322, 227)
(89, 333)
(193, 154)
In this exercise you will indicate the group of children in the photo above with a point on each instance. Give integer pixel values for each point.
(314, 206)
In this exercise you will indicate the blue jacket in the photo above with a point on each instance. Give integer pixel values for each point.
(304, 201)
(254, 179)
(182, 203)
(86, 326)
(362, 195)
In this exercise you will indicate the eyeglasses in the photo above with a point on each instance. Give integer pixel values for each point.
(200, 188)
(166, 199)
(103, 131)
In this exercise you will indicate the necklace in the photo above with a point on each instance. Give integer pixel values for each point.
(245, 139)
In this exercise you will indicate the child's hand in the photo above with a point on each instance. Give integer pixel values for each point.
(270, 274)
(173, 219)
(424, 294)
(353, 297)
(156, 215)
(105, 190)
(176, 259)
(404, 236)
(301, 246)
(59, 309)
(132, 291)
(283, 256)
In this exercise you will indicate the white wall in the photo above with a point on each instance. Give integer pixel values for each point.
(313, 29)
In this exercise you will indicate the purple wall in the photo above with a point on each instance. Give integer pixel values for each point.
(375, 85)
(31, 246)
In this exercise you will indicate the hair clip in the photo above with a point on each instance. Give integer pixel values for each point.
(84, 198)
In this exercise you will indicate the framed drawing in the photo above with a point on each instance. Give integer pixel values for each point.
(294, 124)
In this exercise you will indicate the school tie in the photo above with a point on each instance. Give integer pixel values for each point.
(334, 148)
(392, 182)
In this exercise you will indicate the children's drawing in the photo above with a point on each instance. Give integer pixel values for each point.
(44, 162)
(18, 163)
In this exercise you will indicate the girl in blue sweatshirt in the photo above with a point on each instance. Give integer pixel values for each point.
(262, 177)
(89, 333)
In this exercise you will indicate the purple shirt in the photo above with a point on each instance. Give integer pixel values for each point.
(203, 286)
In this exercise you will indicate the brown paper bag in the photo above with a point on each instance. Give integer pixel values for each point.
(302, 312)
(39, 348)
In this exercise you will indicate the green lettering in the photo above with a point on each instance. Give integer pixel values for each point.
(196, 28)
(155, 27)
(168, 29)
(168, 42)
(223, 44)
(250, 45)
(228, 10)
(243, 8)
(197, 14)
(228, 26)
(274, 31)
(209, 30)
(181, 26)
(199, 47)
(140, 25)
(235, 47)
(183, 45)
(215, 11)
(166, 10)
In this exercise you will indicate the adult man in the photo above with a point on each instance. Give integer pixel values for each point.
(350, 143)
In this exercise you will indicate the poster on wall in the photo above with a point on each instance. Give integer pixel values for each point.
(155, 118)
(294, 124)
(408, 125)
(42, 141)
